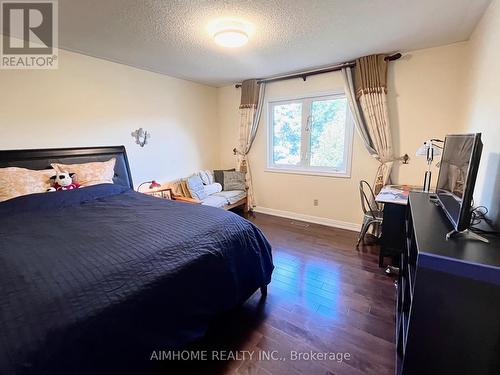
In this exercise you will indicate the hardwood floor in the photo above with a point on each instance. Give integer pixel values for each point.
(325, 296)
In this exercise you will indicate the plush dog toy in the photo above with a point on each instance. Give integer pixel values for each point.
(63, 181)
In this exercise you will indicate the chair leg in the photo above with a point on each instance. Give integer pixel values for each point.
(361, 233)
(364, 229)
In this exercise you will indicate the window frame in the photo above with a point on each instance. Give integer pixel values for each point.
(305, 146)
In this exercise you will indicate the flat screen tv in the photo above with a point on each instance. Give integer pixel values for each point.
(457, 177)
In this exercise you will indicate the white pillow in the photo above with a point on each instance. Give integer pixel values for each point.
(195, 186)
(213, 188)
(207, 177)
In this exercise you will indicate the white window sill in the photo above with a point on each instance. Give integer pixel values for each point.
(308, 172)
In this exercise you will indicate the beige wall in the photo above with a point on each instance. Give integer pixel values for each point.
(425, 101)
(89, 101)
(483, 110)
(424, 94)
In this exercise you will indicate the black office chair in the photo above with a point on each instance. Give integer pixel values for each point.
(372, 212)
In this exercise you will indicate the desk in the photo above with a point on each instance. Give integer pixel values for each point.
(394, 194)
(395, 200)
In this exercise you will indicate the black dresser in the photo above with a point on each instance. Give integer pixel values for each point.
(448, 305)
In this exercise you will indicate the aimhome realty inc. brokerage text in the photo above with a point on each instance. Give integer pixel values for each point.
(241, 355)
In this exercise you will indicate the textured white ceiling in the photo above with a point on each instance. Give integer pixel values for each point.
(171, 37)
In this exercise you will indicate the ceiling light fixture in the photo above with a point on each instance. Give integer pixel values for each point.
(231, 38)
(230, 32)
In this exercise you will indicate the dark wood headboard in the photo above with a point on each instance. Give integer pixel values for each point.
(41, 159)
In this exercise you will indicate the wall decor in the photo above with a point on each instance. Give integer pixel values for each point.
(141, 136)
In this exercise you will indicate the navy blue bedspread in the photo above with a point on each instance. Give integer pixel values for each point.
(95, 279)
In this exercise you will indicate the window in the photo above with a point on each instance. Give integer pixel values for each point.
(310, 135)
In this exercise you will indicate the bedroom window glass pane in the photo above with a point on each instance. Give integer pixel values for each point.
(328, 128)
(287, 124)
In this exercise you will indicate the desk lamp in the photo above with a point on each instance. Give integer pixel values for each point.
(153, 185)
(429, 149)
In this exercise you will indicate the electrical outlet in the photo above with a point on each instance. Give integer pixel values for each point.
(315, 202)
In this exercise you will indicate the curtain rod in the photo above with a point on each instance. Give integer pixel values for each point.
(328, 69)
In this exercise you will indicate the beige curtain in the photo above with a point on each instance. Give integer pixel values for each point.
(252, 97)
(355, 110)
(370, 89)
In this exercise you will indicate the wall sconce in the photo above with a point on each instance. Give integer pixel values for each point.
(141, 136)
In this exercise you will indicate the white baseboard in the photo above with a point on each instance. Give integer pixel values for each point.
(310, 219)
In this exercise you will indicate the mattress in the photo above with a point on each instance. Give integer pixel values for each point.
(93, 280)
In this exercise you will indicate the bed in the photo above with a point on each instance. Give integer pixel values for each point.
(93, 280)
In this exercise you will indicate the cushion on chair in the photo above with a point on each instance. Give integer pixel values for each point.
(234, 180)
(214, 201)
(207, 177)
(232, 196)
(219, 176)
(213, 188)
(196, 188)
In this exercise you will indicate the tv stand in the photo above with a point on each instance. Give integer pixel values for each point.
(467, 233)
(448, 298)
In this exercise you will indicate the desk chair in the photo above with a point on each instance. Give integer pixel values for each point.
(372, 212)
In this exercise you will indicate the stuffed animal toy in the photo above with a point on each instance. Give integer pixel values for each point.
(64, 181)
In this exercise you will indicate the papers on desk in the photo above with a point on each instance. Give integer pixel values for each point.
(391, 194)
